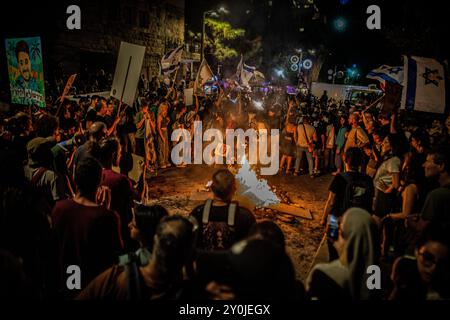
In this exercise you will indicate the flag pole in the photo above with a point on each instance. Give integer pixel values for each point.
(125, 81)
(374, 103)
(175, 77)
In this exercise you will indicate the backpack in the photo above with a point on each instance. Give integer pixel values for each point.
(218, 235)
(357, 192)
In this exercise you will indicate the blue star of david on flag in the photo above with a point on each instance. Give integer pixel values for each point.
(431, 76)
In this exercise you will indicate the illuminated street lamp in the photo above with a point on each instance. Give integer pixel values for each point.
(340, 24)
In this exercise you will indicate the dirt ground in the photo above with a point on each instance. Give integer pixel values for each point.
(181, 189)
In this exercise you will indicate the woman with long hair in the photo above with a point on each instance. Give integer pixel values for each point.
(387, 182)
(163, 137)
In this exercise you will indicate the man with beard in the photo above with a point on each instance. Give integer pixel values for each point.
(25, 80)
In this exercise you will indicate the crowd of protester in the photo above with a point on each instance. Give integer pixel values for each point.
(63, 204)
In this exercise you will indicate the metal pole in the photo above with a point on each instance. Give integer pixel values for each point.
(300, 75)
(334, 74)
(202, 44)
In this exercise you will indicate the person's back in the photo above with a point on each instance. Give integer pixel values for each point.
(436, 205)
(357, 191)
(217, 233)
(145, 276)
(120, 187)
(40, 173)
(88, 236)
(221, 221)
(87, 233)
(305, 135)
(121, 194)
(351, 188)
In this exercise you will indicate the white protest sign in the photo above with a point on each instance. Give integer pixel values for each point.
(128, 70)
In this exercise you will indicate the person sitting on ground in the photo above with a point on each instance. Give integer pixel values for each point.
(158, 278)
(346, 277)
(424, 275)
(222, 222)
(88, 233)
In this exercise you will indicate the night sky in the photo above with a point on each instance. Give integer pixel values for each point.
(408, 27)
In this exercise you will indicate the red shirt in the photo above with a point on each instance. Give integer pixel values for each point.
(87, 237)
(121, 198)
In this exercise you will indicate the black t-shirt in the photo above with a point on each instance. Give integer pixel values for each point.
(91, 115)
(435, 208)
(243, 222)
(339, 186)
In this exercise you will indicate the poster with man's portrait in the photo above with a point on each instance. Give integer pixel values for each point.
(25, 70)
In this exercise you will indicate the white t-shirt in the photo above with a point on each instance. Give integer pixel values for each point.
(330, 137)
(383, 177)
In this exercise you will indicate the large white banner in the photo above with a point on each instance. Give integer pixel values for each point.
(424, 85)
(128, 70)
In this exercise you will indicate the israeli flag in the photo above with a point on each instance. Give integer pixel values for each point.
(171, 60)
(425, 87)
(244, 73)
(387, 73)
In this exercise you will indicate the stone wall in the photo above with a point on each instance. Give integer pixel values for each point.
(156, 24)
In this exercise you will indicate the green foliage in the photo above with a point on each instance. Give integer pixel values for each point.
(220, 37)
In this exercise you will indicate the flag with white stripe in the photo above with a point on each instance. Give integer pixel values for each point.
(387, 73)
(203, 75)
(425, 85)
(244, 73)
(171, 60)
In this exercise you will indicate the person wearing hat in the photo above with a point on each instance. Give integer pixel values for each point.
(40, 173)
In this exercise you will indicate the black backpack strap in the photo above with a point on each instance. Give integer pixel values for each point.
(206, 211)
(232, 213)
(133, 283)
(129, 262)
